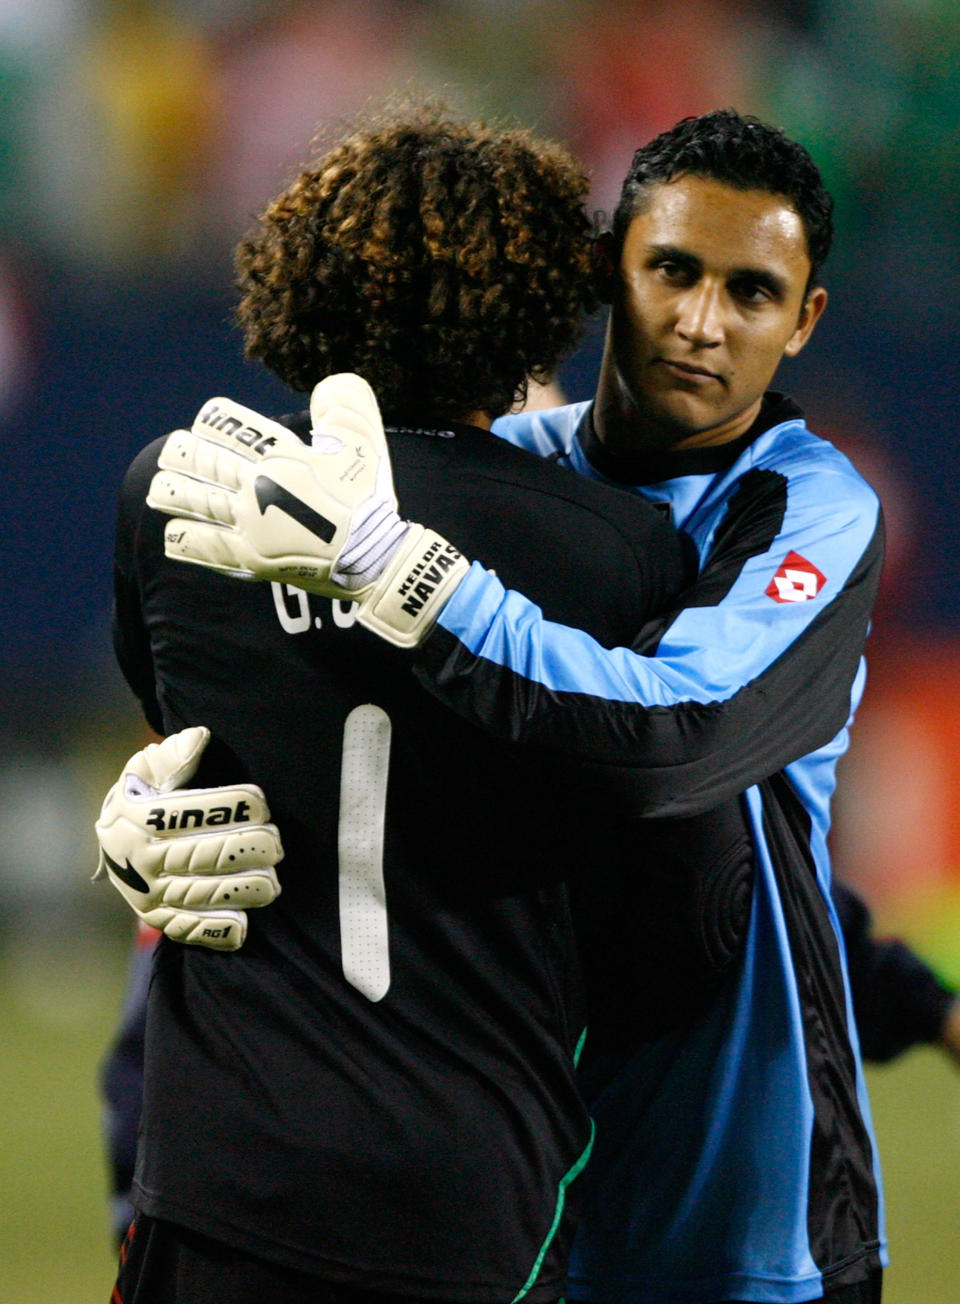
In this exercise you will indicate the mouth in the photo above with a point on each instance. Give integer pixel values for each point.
(687, 371)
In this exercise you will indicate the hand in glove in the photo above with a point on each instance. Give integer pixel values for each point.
(190, 861)
(252, 500)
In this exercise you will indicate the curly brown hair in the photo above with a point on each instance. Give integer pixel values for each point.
(444, 261)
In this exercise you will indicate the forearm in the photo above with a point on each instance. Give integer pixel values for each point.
(675, 740)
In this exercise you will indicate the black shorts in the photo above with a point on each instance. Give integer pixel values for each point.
(161, 1263)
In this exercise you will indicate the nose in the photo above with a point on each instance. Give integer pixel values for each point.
(700, 315)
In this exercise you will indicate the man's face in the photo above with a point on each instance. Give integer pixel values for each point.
(710, 297)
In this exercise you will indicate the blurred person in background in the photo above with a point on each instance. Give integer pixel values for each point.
(899, 1001)
(144, 80)
(735, 1159)
(377, 1093)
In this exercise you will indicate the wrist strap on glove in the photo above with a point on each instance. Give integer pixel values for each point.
(405, 602)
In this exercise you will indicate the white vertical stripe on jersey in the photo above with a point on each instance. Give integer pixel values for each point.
(364, 936)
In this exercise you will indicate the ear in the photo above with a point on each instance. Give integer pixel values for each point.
(810, 313)
(604, 266)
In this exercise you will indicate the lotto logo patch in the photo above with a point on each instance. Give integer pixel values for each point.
(797, 580)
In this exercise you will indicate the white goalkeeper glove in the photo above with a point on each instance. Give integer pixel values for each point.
(190, 861)
(253, 501)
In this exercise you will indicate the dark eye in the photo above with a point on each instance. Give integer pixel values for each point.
(751, 291)
(676, 273)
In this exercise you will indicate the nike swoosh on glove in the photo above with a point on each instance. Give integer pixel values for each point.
(251, 500)
(189, 861)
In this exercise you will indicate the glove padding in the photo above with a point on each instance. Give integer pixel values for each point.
(253, 501)
(190, 861)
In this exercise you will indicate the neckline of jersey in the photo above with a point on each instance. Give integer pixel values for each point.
(652, 468)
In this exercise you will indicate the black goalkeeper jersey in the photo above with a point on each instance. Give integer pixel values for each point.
(379, 1087)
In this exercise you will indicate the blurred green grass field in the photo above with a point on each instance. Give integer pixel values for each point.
(57, 1013)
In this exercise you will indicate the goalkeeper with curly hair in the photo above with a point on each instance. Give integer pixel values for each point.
(376, 1093)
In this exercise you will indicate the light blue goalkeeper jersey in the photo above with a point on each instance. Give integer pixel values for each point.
(734, 1159)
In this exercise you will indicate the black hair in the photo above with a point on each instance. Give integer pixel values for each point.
(737, 150)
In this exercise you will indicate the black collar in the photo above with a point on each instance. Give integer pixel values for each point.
(652, 467)
(299, 423)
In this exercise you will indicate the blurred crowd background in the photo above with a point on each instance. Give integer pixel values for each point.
(138, 138)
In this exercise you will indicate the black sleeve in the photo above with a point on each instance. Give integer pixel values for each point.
(898, 1001)
(131, 640)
